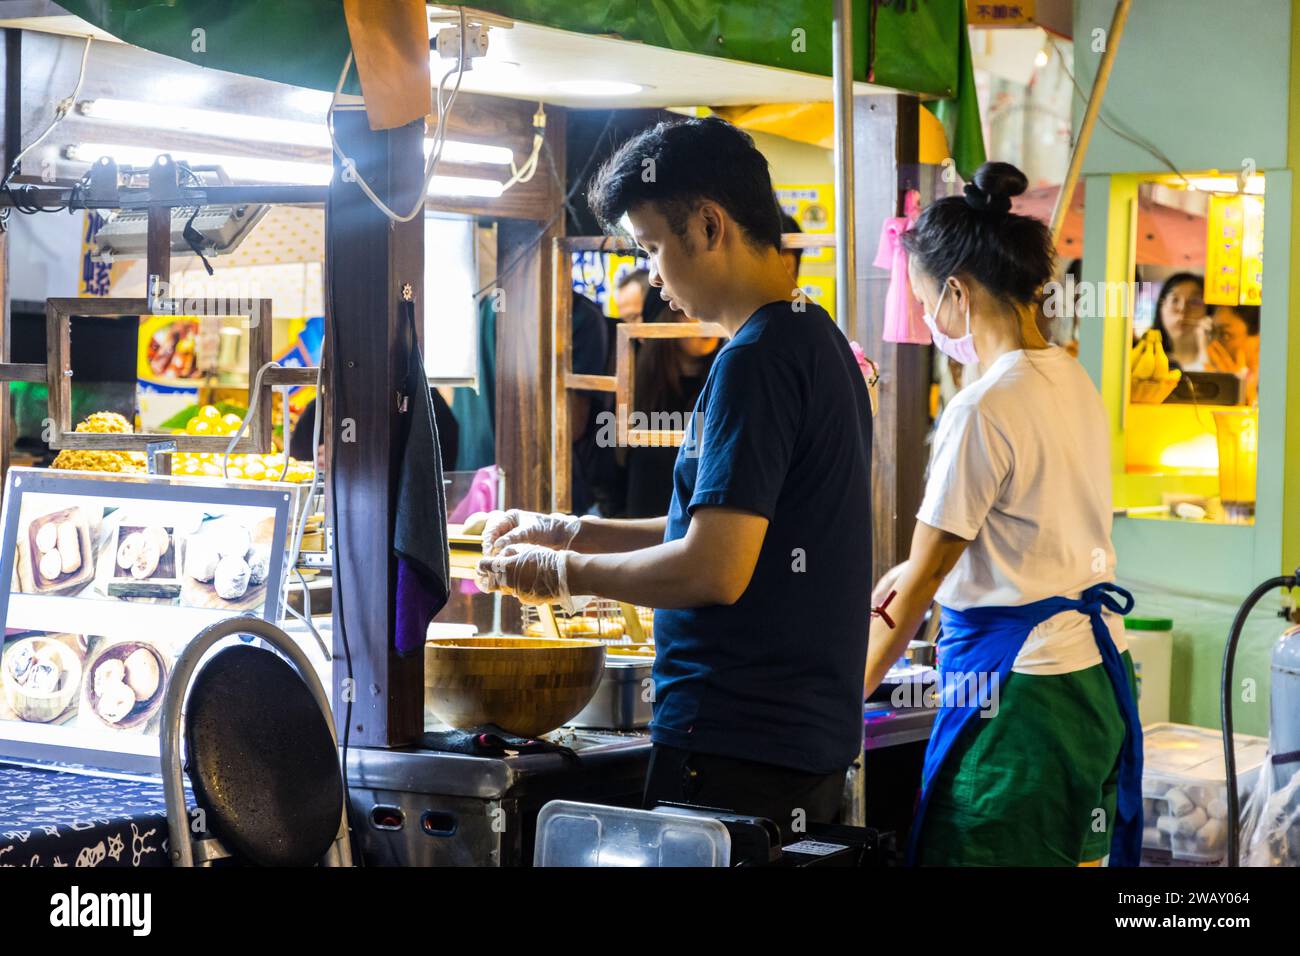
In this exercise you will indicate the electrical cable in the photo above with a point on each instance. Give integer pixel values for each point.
(256, 397)
(291, 561)
(194, 239)
(578, 181)
(1137, 141)
(304, 617)
(301, 525)
(439, 136)
(331, 476)
(61, 110)
(1225, 708)
(525, 173)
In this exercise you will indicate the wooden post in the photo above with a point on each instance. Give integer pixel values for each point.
(885, 143)
(158, 243)
(368, 261)
(13, 132)
(525, 355)
(6, 405)
(1098, 94)
(13, 95)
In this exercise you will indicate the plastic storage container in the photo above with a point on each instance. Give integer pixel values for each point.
(1151, 644)
(588, 834)
(1184, 791)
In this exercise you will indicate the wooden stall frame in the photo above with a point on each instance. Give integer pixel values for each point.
(58, 373)
(622, 383)
(164, 192)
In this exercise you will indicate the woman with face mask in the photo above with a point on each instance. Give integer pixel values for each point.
(1035, 757)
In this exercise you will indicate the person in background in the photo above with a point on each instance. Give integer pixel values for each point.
(595, 485)
(443, 419)
(475, 408)
(1181, 321)
(1035, 757)
(669, 376)
(631, 293)
(1069, 340)
(670, 373)
(1235, 346)
(791, 257)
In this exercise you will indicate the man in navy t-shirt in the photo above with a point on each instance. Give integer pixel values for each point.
(760, 572)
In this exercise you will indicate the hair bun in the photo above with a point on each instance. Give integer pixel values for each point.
(1000, 180)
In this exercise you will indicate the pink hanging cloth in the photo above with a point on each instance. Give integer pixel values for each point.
(903, 322)
(482, 496)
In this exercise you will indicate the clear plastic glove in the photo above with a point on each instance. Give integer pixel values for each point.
(504, 528)
(533, 574)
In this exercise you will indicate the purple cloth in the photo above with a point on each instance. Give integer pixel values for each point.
(416, 606)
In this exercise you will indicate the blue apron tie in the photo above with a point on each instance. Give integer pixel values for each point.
(981, 643)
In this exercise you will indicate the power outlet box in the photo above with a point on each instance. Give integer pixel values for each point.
(476, 42)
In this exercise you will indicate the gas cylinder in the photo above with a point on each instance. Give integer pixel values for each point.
(1284, 706)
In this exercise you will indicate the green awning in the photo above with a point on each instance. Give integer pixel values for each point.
(920, 48)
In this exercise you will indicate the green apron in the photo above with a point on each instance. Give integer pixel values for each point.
(1017, 789)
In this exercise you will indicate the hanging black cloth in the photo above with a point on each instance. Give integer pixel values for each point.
(420, 534)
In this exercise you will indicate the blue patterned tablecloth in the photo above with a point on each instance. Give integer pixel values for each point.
(57, 818)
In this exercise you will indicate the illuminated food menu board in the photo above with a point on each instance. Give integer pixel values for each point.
(110, 576)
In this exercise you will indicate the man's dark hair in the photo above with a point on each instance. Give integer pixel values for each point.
(676, 165)
(640, 276)
(790, 224)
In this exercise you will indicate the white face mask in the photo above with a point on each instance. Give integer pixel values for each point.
(960, 350)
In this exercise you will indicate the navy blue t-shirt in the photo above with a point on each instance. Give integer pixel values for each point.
(782, 428)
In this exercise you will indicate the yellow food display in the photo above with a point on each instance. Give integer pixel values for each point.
(630, 650)
(606, 629)
(210, 422)
(1152, 379)
(84, 459)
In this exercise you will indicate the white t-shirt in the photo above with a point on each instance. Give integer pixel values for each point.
(1021, 469)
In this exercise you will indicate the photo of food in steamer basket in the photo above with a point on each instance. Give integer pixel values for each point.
(41, 675)
(83, 681)
(123, 685)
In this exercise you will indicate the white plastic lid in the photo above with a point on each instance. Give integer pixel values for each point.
(590, 835)
(1181, 750)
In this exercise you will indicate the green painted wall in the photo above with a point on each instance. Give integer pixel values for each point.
(1205, 80)
(1208, 84)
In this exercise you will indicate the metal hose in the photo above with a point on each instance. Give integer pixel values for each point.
(1225, 707)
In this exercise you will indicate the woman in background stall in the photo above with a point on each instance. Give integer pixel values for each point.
(670, 374)
(1235, 346)
(1182, 323)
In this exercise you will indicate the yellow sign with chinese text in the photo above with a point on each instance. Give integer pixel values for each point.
(812, 206)
(981, 14)
(1226, 220)
(1252, 249)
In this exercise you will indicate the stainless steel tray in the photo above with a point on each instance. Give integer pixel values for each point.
(623, 699)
